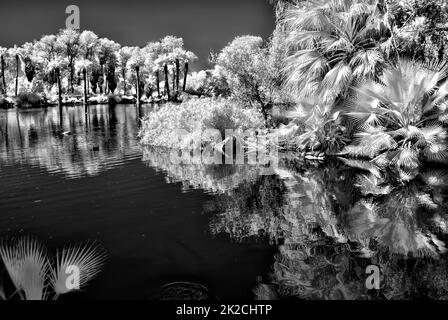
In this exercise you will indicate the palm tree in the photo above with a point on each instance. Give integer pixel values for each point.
(333, 44)
(399, 119)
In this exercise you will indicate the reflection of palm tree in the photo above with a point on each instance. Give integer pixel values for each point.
(326, 242)
(390, 214)
(70, 154)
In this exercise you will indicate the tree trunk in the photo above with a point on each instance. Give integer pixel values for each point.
(17, 74)
(158, 83)
(84, 72)
(137, 70)
(167, 85)
(104, 82)
(174, 86)
(185, 76)
(177, 76)
(58, 80)
(72, 75)
(3, 75)
(124, 81)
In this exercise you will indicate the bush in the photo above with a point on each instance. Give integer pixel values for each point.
(3, 103)
(28, 99)
(160, 128)
(400, 121)
(313, 127)
(113, 99)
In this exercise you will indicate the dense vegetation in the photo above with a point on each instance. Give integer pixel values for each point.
(358, 78)
(363, 80)
(354, 78)
(73, 63)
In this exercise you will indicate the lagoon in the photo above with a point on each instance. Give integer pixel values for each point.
(308, 231)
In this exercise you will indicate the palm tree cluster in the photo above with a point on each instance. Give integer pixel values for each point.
(400, 119)
(333, 44)
(104, 65)
(346, 54)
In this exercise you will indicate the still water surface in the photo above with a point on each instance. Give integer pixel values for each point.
(307, 231)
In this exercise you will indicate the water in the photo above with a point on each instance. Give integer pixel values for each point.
(308, 231)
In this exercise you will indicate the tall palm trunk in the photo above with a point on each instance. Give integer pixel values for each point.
(158, 83)
(124, 80)
(177, 76)
(84, 73)
(104, 82)
(3, 75)
(72, 75)
(167, 85)
(58, 80)
(185, 76)
(137, 70)
(17, 74)
(174, 86)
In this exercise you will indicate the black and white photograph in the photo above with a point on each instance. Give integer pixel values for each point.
(258, 152)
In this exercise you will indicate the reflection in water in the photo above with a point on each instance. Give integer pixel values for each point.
(81, 145)
(211, 178)
(308, 231)
(84, 179)
(332, 221)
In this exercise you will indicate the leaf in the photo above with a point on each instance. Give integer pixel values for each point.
(88, 258)
(27, 265)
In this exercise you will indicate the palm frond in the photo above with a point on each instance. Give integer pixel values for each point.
(363, 165)
(27, 265)
(435, 177)
(406, 158)
(341, 33)
(425, 199)
(89, 260)
(371, 185)
(436, 152)
(370, 144)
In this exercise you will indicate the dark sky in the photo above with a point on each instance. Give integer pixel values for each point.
(204, 24)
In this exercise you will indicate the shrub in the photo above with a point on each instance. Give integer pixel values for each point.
(161, 127)
(400, 120)
(26, 99)
(3, 103)
(314, 127)
(113, 99)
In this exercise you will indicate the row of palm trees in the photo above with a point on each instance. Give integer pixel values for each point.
(85, 62)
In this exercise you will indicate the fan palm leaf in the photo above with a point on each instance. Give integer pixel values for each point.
(27, 265)
(343, 35)
(406, 104)
(87, 258)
